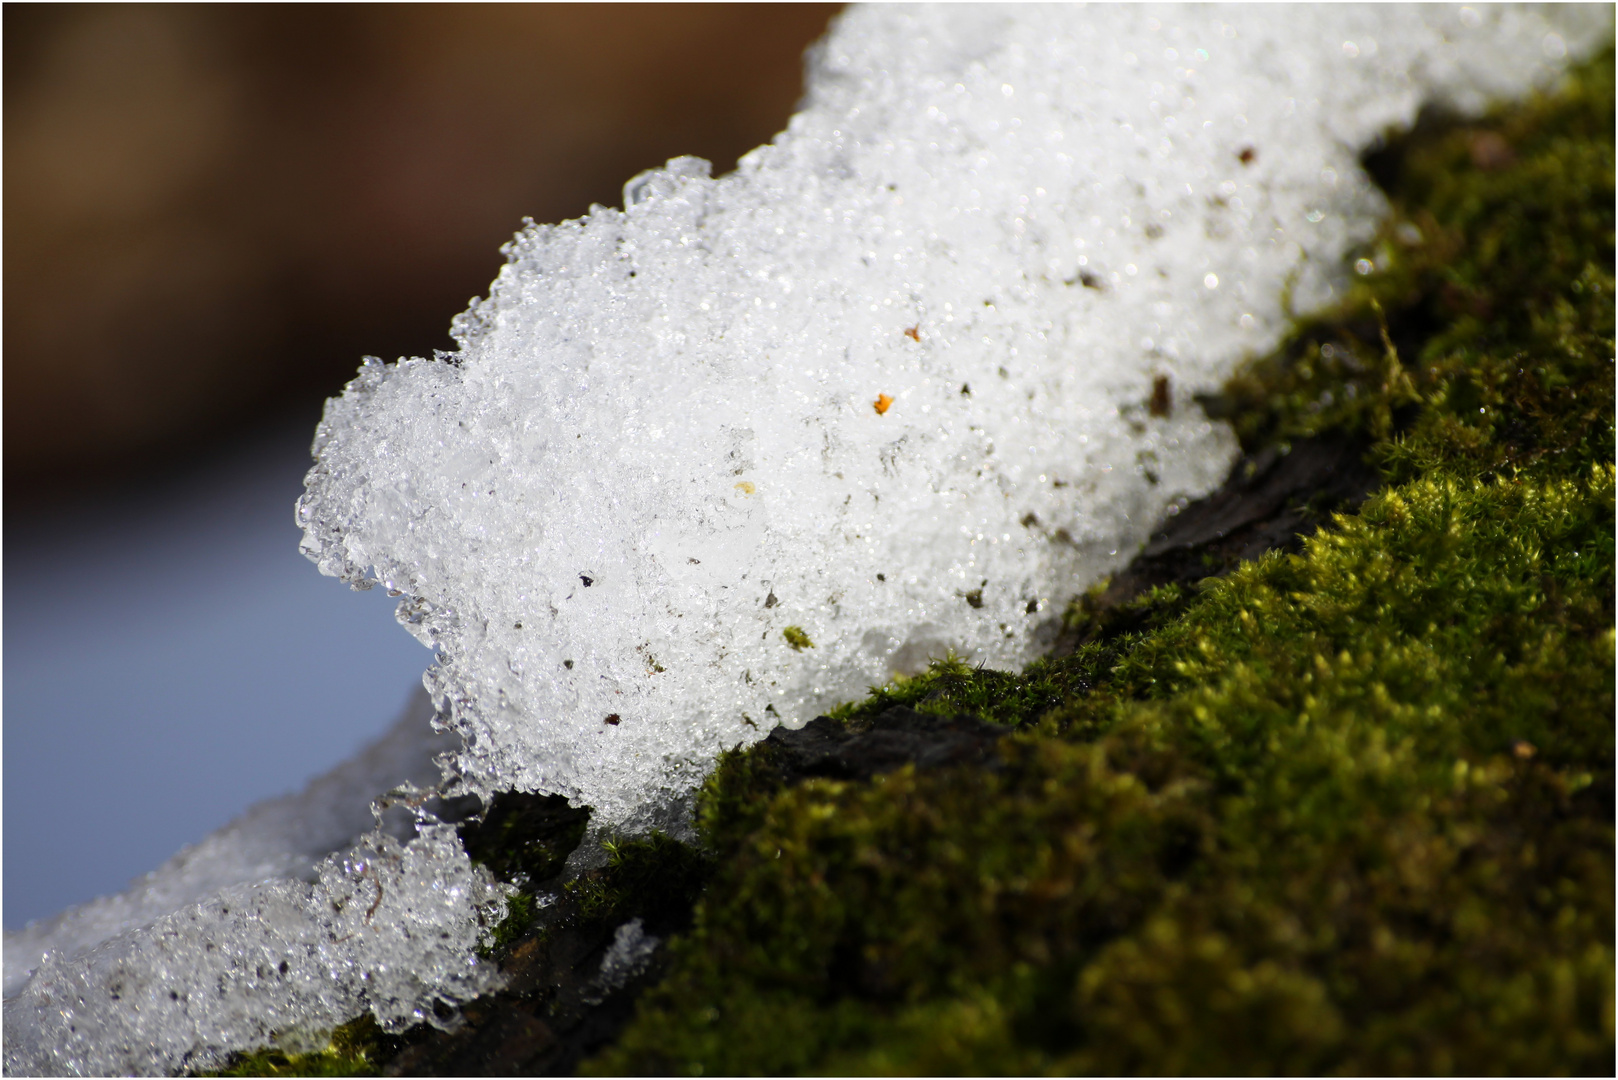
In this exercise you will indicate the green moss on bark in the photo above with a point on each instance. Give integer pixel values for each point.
(657, 877)
(356, 1048)
(1348, 810)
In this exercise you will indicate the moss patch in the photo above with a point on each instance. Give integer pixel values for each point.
(525, 839)
(356, 1048)
(1347, 808)
(656, 879)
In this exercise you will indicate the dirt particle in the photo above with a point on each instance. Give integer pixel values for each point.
(1162, 399)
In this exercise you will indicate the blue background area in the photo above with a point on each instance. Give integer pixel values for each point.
(169, 659)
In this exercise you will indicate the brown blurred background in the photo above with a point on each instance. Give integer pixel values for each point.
(212, 212)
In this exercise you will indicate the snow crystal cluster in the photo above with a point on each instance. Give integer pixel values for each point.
(389, 928)
(909, 377)
(631, 951)
(279, 838)
(298, 916)
(733, 453)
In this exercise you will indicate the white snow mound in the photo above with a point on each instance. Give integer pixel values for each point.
(658, 445)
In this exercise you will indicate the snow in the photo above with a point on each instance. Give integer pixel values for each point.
(890, 385)
(278, 838)
(236, 942)
(628, 955)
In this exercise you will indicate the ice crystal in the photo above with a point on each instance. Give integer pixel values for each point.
(386, 927)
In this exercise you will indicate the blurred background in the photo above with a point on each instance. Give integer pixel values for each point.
(211, 214)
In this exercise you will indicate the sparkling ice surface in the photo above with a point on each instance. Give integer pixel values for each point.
(659, 444)
(278, 838)
(297, 916)
(889, 385)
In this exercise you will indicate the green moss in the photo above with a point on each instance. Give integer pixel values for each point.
(355, 1049)
(525, 839)
(797, 638)
(1492, 284)
(642, 879)
(1348, 810)
(513, 928)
